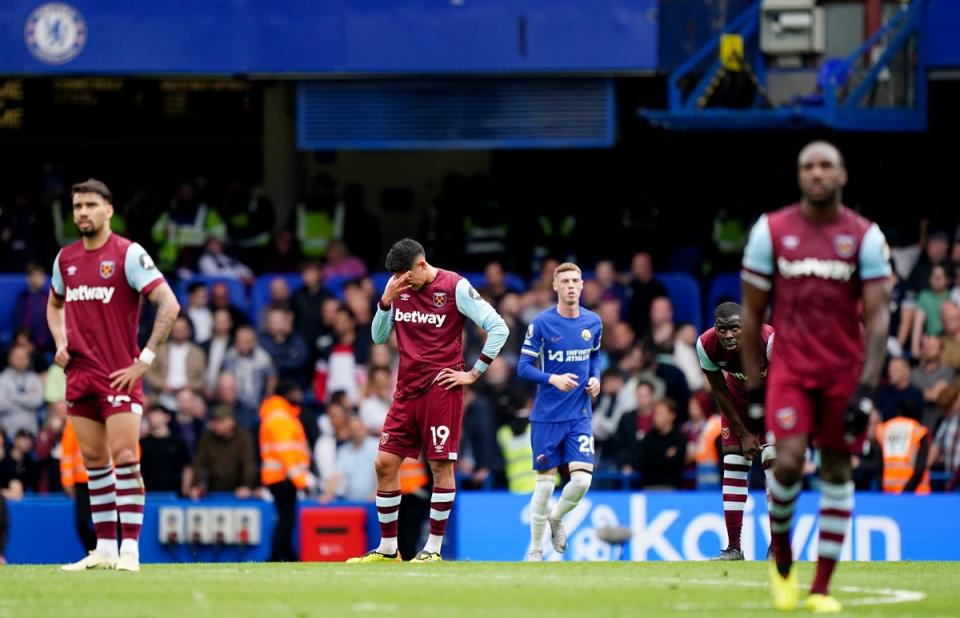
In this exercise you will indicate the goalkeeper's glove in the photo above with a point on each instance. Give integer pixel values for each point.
(857, 413)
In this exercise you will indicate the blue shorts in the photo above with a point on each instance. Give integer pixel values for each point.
(563, 442)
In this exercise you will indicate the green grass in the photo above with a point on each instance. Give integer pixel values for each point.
(461, 589)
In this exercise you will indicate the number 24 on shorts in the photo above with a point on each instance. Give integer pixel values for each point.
(441, 433)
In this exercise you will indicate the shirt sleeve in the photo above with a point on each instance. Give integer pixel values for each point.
(470, 304)
(874, 255)
(56, 278)
(758, 255)
(532, 341)
(142, 274)
(382, 325)
(770, 346)
(705, 363)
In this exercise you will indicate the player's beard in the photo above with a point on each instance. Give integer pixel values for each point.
(90, 231)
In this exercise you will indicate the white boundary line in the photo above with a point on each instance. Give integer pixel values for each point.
(890, 595)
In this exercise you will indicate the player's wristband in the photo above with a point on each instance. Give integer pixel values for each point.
(147, 355)
(383, 307)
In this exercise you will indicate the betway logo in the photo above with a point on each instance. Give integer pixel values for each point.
(416, 317)
(812, 267)
(89, 292)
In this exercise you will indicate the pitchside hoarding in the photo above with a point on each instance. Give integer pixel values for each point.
(690, 526)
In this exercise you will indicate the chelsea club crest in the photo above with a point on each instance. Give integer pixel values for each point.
(55, 33)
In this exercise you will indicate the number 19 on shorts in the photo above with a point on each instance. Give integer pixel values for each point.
(440, 434)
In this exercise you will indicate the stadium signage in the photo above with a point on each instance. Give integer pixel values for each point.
(690, 526)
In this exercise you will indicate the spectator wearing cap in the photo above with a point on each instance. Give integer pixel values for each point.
(164, 459)
(21, 393)
(225, 460)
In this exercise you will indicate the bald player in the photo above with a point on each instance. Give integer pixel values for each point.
(825, 271)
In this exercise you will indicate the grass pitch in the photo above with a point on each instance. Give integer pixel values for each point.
(464, 589)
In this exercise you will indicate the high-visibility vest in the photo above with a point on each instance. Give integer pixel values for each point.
(413, 475)
(518, 458)
(72, 470)
(708, 460)
(316, 228)
(283, 443)
(900, 440)
(171, 236)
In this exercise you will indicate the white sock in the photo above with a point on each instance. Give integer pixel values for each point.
(434, 541)
(572, 493)
(768, 456)
(130, 546)
(107, 546)
(388, 546)
(539, 501)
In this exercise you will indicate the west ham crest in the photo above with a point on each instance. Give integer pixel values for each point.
(845, 245)
(106, 268)
(439, 299)
(786, 417)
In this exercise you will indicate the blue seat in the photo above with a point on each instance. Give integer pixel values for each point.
(238, 291)
(10, 287)
(685, 296)
(260, 291)
(684, 258)
(723, 288)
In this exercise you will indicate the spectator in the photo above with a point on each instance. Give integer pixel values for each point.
(164, 459)
(937, 246)
(318, 217)
(226, 393)
(181, 230)
(374, 408)
(868, 463)
(284, 255)
(285, 347)
(354, 479)
(201, 318)
(215, 348)
(30, 309)
(950, 313)
(931, 376)
(662, 452)
(334, 429)
(225, 460)
(494, 283)
(634, 425)
(249, 219)
(24, 235)
(220, 299)
(214, 262)
(252, 368)
(905, 445)
(926, 320)
(11, 488)
(306, 303)
(21, 394)
(190, 417)
(643, 289)
(898, 393)
(339, 365)
(605, 274)
(361, 228)
(946, 443)
(341, 264)
(179, 364)
(279, 298)
(21, 463)
(661, 323)
(604, 421)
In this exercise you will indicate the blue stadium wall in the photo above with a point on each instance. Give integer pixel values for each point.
(495, 526)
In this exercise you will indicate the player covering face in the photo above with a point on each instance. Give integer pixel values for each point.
(565, 341)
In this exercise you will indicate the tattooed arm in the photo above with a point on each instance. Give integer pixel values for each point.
(167, 311)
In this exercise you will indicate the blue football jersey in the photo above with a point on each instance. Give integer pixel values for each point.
(557, 345)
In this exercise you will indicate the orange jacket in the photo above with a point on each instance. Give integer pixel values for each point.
(283, 443)
(900, 439)
(72, 470)
(413, 475)
(707, 442)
